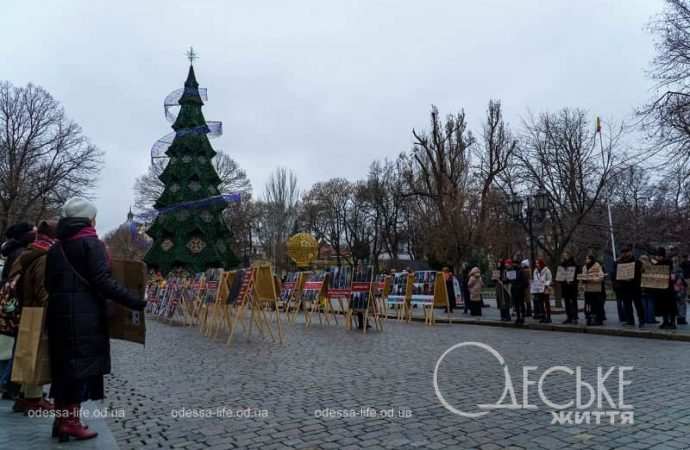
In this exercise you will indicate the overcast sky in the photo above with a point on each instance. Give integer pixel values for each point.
(321, 87)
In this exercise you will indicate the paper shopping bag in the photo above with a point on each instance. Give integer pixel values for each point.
(32, 356)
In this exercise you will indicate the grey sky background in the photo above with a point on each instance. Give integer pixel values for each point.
(321, 87)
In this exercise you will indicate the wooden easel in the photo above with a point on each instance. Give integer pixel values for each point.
(382, 287)
(236, 306)
(370, 310)
(317, 300)
(265, 300)
(294, 302)
(440, 300)
(219, 311)
(401, 301)
(209, 298)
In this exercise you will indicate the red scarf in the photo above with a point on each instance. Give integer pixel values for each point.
(42, 242)
(84, 233)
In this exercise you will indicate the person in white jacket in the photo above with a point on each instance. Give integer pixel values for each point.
(541, 288)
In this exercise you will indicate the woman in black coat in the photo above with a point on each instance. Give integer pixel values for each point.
(79, 281)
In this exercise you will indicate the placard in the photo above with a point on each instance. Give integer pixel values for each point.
(536, 287)
(625, 271)
(656, 277)
(565, 274)
(511, 275)
(124, 323)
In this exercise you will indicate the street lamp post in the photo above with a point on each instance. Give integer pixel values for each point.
(538, 202)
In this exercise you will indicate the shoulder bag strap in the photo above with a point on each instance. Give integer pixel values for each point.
(69, 264)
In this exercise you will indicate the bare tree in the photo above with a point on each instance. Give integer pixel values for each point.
(386, 184)
(438, 176)
(125, 242)
(44, 157)
(667, 117)
(148, 187)
(558, 155)
(494, 156)
(325, 213)
(278, 214)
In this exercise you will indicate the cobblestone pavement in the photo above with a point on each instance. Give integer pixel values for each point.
(20, 432)
(330, 368)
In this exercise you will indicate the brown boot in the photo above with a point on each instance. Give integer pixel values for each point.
(71, 427)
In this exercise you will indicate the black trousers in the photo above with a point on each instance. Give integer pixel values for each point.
(594, 306)
(628, 302)
(570, 305)
(538, 309)
(519, 305)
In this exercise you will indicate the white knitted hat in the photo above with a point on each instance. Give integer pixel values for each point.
(78, 207)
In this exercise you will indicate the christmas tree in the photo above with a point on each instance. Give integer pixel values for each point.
(189, 231)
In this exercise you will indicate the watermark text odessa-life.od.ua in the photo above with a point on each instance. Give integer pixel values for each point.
(221, 412)
(592, 403)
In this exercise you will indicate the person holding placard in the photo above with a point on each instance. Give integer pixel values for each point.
(78, 278)
(518, 285)
(568, 269)
(541, 288)
(657, 282)
(592, 278)
(626, 282)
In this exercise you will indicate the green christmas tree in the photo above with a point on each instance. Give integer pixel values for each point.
(189, 231)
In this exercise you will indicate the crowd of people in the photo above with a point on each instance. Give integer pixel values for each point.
(63, 267)
(529, 292)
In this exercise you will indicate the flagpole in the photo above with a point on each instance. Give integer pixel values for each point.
(606, 190)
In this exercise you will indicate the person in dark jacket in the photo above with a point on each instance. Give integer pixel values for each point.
(569, 289)
(18, 237)
(503, 290)
(448, 278)
(30, 266)
(78, 281)
(629, 290)
(664, 298)
(519, 285)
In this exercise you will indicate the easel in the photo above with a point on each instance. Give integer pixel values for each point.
(339, 288)
(440, 300)
(265, 299)
(315, 299)
(236, 305)
(209, 298)
(382, 288)
(219, 310)
(401, 291)
(291, 294)
(363, 291)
